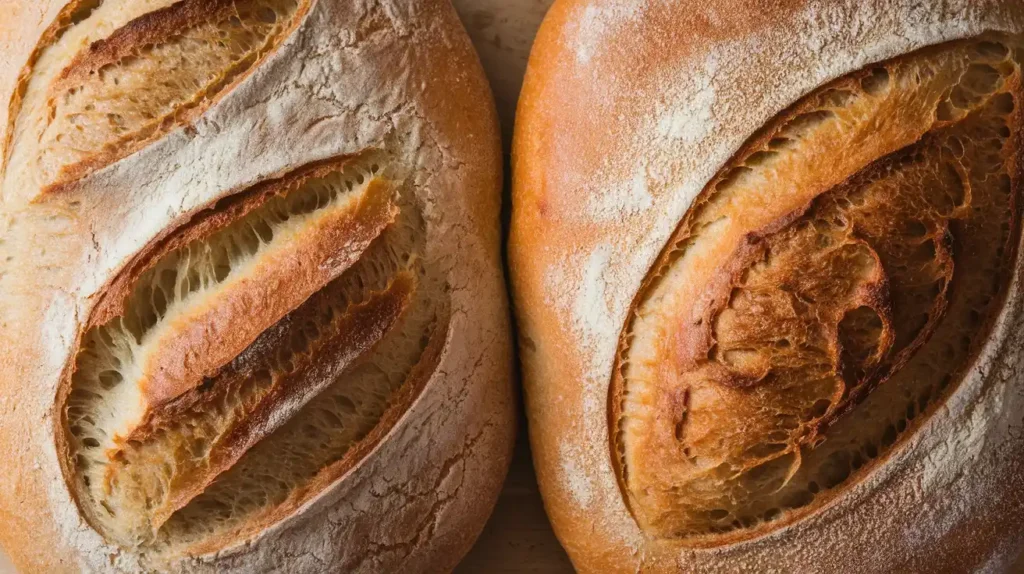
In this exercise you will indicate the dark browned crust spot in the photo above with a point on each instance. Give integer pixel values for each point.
(424, 370)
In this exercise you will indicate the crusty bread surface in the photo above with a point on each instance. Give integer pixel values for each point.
(772, 323)
(252, 304)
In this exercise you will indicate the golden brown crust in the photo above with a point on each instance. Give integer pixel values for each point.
(20, 76)
(420, 376)
(613, 148)
(200, 226)
(153, 28)
(204, 345)
(398, 78)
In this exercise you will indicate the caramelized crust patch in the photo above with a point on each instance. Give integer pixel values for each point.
(105, 87)
(823, 292)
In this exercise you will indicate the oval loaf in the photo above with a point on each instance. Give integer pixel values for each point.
(252, 309)
(774, 321)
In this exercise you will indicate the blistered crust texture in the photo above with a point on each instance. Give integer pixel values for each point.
(779, 284)
(251, 288)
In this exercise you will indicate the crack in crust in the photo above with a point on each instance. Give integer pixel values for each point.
(809, 309)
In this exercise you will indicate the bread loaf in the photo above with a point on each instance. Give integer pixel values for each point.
(773, 323)
(252, 309)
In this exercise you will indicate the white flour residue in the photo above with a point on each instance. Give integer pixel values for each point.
(975, 424)
(575, 475)
(595, 401)
(592, 318)
(627, 199)
(589, 30)
(57, 333)
(579, 290)
(597, 22)
(985, 415)
(583, 293)
(688, 118)
(963, 447)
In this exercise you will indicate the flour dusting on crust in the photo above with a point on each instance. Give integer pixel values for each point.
(626, 199)
(691, 119)
(575, 476)
(677, 90)
(600, 19)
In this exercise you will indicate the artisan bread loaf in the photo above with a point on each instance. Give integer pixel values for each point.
(773, 323)
(252, 309)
